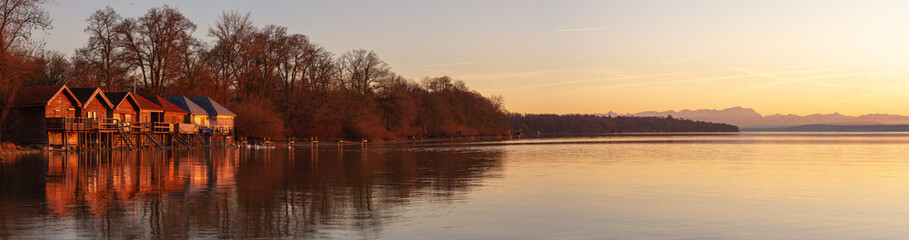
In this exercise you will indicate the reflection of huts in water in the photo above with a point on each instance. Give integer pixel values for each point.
(39, 116)
(79, 179)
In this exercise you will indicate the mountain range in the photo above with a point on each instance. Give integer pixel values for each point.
(749, 118)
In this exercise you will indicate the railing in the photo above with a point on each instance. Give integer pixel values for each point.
(108, 124)
(80, 124)
(222, 131)
(75, 124)
(160, 127)
(156, 127)
(56, 124)
(111, 124)
(139, 126)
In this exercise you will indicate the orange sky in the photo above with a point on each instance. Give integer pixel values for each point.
(803, 57)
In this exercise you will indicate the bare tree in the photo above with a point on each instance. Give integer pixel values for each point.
(50, 68)
(233, 32)
(103, 53)
(361, 69)
(322, 75)
(18, 18)
(154, 42)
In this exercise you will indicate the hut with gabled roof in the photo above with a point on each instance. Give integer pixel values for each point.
(149, 112)
(94, 103)
(219, 118)
(41, 114)
(194, 113)
(95, 113)
(126, 109)
(172, 113)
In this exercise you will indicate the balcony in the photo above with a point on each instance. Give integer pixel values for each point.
(81, 124)
(114, 125)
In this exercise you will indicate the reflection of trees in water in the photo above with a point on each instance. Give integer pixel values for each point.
(233, 193)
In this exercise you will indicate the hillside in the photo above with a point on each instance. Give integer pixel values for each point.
(749, 118)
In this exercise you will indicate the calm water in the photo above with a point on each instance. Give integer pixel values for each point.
(750, 186)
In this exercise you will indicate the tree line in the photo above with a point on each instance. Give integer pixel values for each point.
(280, 84)
(577, 124)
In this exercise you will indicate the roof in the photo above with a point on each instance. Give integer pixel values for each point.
(40, 95)
(167, 106)
(116, 98)
(212, 107)
(187, 105)
(146, 105)
(85, 95)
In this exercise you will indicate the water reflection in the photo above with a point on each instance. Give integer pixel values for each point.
(230, 193)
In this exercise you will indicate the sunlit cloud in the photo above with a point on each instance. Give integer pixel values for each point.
(504, 75)
(650, 83)
(692, 80)
(860, 96)
(617, 75)
(730, 74)
(478, 62)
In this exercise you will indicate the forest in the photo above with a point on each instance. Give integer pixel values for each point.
(280, 84)
(577, 124)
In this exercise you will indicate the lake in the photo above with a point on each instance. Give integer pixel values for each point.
(648, 186)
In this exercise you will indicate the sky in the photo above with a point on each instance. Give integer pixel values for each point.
(788, 57)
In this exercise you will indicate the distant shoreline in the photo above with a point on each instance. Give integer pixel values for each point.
(831, 128)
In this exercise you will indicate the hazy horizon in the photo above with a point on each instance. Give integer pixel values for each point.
(595, 57)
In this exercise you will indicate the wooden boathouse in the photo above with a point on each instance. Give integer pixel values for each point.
(175, 118)
(95, 113)
(196, 121)
(38, 116)
(220, 120)
(194, 113)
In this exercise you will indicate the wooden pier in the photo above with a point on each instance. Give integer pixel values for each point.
(109, 133)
